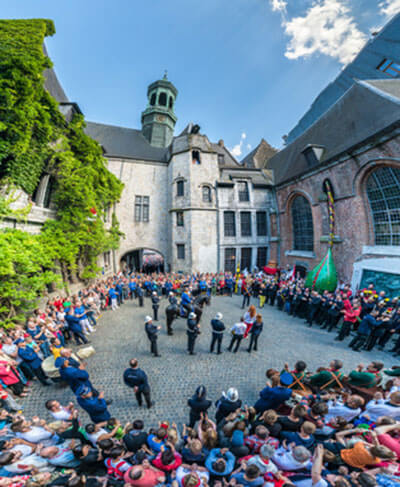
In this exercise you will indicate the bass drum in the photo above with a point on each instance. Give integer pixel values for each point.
(49, 368)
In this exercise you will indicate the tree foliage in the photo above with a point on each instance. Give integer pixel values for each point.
(35, 139)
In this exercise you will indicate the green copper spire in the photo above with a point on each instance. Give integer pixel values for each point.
(158, 120)
(323, 277)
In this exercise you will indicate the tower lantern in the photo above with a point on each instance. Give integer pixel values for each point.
(158, 120)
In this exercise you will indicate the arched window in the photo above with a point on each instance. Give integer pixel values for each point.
(153, 99)
(162, 99)
(206, 194)
(302, 222)
(383, 191)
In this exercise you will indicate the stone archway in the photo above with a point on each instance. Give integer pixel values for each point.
(143, 260)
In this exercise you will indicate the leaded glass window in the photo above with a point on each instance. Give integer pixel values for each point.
(245, 223)
(383, 191)
(245, 261)
(229, 224)
(261, 223)
(261, 257)
(302, 222)
(230, 260)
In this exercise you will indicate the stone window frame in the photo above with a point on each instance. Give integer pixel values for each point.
(142, 209)
(245, 226)
(229, 258)
(243, 195)
(262, 226)
(258, 258)
(180, 251)
(180, 219)
(246, 259)
(206, 197)
(180, 183)
(229, 226)
(381, 208)
(302, 224)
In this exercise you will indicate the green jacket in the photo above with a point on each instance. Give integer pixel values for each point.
(325, 376)
(364, 379)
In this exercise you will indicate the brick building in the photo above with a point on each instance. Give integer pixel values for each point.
(355, 146)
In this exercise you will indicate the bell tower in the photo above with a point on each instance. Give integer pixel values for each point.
(158, 120)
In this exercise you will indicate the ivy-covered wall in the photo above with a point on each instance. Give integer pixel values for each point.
(35, 138)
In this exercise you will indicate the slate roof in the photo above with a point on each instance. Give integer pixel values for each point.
(366, 109)
(125, 143)
(259, 156)
(385, 45)
(229, 160)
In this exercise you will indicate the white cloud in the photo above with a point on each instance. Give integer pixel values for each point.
(236, 150)
(327, 27)
(248, 146)
(278, 5)
(389, 7)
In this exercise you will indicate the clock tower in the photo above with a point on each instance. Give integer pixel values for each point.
(158, 120)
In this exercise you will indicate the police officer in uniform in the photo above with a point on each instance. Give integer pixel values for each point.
(139, 294)
(217, 333)
(193, 329)
(96, 407)
(152, 334)
(155, 303)
(171, 312)
(137, 379)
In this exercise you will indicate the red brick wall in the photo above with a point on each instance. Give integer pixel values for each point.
(353, 224)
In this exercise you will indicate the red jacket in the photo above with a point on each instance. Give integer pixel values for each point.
(167, 468)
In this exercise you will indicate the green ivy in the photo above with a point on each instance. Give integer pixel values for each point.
(34, 137)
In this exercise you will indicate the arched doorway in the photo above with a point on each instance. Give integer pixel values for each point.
(143, 260)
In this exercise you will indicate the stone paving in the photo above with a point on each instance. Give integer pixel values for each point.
(174, 377)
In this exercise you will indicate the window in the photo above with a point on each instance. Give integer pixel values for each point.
(261, 257)
(196, 157)
(179, 219)
(171, 102)
(107, 214)
(107, 259)
(383, 191)
(245, 261)
(390, 68)
(230, 260)
(153, 99)
(243, 189)
(180, 249)
(138, 208)
(303, 230)
(221, 159)
(142, 208)
(145, 208)
(48, 192)
(229, 224)
(180, 188)
(206, 194)
(261, 223)
(162, 99)
(245, 223)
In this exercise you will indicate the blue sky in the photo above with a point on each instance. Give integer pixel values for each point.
(245, 69)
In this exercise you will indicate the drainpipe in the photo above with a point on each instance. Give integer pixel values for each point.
(218, 236)
(278, 228)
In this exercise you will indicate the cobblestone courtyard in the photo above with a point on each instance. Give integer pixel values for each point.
(174, 377)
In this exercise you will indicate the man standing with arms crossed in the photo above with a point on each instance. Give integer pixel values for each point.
(137, 379)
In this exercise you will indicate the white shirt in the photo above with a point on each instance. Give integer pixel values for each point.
(95, 436)
(25, 449)
(36, 434)
(9, 350)
(22, 465)
(239, 328)
(284, 460)
(381, 407)
(340, 409)
(62, 415)
(308, 483)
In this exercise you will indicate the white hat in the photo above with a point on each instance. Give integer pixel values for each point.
(232, 394)
(192, 316)
(154, 293)
(148, 318)
(171, 293)
(219, 316)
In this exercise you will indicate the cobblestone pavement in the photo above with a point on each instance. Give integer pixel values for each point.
(174, 377)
